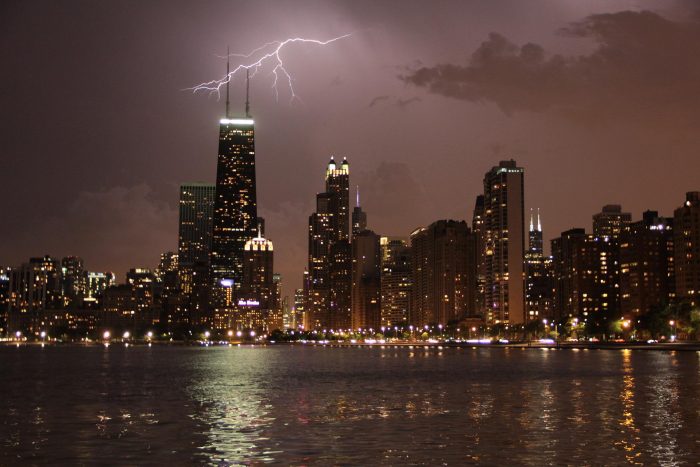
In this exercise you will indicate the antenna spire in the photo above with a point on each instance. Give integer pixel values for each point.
(357, 194)
(539, 225)
(247, 93)
(532, 227)
(228, 77)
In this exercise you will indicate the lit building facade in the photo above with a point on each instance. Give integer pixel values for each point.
(539, 282)
(443, 273)
(257, 300)
(73, 280)
(194, 249)
(611, 222)
(504, 244)
(396, 274)
(586, 272)
(235, 209)
(330, 262)
(647, 276)
(686, 241)
(33, 287)
(366, 281)
(478, 229)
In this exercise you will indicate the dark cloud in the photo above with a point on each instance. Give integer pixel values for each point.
(399, 102)
(377, 100)
(643, 66)
(403, 103)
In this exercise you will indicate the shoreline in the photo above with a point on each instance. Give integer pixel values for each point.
(664, 346)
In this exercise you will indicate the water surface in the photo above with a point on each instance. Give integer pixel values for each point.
(306, 405)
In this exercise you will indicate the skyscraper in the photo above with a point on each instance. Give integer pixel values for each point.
(478, 229)
(586, 272)
(235, 207)
(504, 243)
(395, 281)
(647, 277)
(611, 221)
(686, 241)
(34, 286)
(194, 248)
(444, 273)
(366, 277)
(359, 217)
(196, 218)
(73, 280)
(538, 276)
(257, 299)
(330, 261)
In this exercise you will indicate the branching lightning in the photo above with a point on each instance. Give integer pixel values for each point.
(272, 55)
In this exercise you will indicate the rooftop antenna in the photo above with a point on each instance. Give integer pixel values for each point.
(532, 227)
(247, 93)
(539, 225)
(357, 192)
(228, 76)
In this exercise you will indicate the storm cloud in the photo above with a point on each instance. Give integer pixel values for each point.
(643, 66)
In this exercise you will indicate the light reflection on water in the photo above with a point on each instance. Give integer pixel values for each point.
(321, 405)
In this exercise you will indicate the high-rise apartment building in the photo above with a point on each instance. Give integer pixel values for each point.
(586, 272)
(396, 274)
(611, 221)
(366, 281)
(686, 241)
(478, 229)
(73, 280)
(444, 273)
(647, 276)
(504, 244)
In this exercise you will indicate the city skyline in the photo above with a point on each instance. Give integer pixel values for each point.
(144, 162)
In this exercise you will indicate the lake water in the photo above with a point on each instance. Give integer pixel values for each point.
(306, 405)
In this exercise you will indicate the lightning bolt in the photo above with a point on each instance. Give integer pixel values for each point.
(271, 53)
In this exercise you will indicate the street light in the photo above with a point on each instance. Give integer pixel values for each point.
(673, 324)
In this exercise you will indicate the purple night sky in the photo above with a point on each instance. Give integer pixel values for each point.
(598, 100)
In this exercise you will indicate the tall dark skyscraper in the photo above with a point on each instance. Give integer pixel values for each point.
(330, 261)
(196, 217)
(194, 248)
(538, 277)
(235, 206)
(359, 217)
(504, 243)
(444, 273)
(478, 229)
(366, 281)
